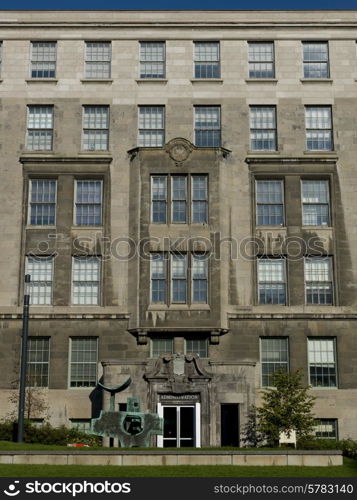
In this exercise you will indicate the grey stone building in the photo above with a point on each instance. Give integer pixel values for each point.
(181, 187)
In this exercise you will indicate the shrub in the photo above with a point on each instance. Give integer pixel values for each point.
(46, 434)
(348, 446)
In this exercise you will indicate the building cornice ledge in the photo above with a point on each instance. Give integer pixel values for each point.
(293, 316)
(66, 159)
(291, 160)
(71, 316)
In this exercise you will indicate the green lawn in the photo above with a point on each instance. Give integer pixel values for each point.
(349, 469)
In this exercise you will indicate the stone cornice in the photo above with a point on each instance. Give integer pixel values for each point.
(287, 160)
(66, 316)
(293, 316)
(65, 159)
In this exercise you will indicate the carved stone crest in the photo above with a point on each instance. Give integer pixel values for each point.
(179, 150)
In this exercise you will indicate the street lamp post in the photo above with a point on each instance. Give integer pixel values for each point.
(25, 330)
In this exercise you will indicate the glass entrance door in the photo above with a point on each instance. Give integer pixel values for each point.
(179, 426)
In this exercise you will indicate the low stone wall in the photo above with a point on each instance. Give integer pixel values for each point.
(157, 457)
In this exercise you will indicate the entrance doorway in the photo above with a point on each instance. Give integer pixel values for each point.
(230, 424)
(181, 426)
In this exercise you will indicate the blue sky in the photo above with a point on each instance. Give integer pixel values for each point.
(177, 4)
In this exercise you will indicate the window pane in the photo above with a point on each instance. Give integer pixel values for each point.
(261, 60)
(270, 207)
(39, 128)
(158, 278)
(161, 346)
(179, 195)
(197, 346)
(179, 278)
(42, 202)
(43, 60)
(86, 281)
(88, 203)
(159, 199)
(96, 128)
(40, 270)
(318, 280)
(37, 361)
(274, 357)
(326, 428)
(263, 127)
(315, 197)
(318, 128)
(207, 60)
(322, 363)
(152, 60)
(271, 281)
(84, 355)
(98, 57)
(151, 126)
(207, 126)
(316, 60)
(199, 273)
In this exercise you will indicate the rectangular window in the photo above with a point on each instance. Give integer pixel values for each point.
(179, 198)
(187, 275)
(178, 278)
(0, 57)
(39, 128)
(274, 356)
(322, 362)
(270, 203)
(84, 358)
(98, 58)
(151, 126)
(88, 203)
(152, 60)
(261, 60)
(315, 203)
(95, 128)
(86, 281)
(199, 194)
(43, 59)
(316, 63)
(80, 424)
(161, 346)
(318, 122)
(41, 271)
(38, 357)
(42, 202)
(326, 428)
(180, 190)
(199, 277)
(271, 281)
(208, 126)
(158, 199)
(158, 278)
(196, 346)
(263, 128)
(318, 280)
(207, 60)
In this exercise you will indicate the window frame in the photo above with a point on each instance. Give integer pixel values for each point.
(282, 259)
(30, 203)
(192, 338)
(70, 352)
(262, 130)
(163, 129)
(100, 279)
(329, 258)
(95, 129)
(287, 363)
(207, 62)
(307, 62)
(335, 363)
(282, 204)
(212, 106)
(75, 203)
(28, 129)
(190, 200)
(86, 61)
(166, 339)
(51, 259)
(34, 42)
(331, 129)
(1, 57)
(326, 421)
(46, 363)
(272, 62)
(306, 204)
(167, 259)
(163, 43)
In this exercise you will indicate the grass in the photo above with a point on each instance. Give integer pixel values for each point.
(348, 469)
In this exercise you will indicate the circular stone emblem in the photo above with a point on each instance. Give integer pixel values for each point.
(179, 150)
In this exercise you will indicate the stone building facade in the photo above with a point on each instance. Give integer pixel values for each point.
(181, 186)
